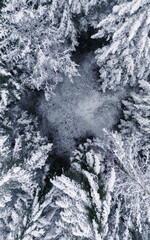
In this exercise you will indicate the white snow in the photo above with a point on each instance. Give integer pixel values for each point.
(2, 141)
(79, 109)
(4, 97)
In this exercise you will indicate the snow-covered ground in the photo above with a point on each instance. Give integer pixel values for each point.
(79, 109)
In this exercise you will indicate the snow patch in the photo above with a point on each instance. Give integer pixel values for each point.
(79, 109)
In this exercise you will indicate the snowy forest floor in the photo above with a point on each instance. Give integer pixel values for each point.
(79, 110)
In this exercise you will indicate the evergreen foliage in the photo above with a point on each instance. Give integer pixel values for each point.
(85, 204)
(136, 112)
(126, 59)
(24, 216)
(23, 154)
(22, 141)
(105, 195)
(37, 38)
(132, 174)
(35, 53)
(109, 185)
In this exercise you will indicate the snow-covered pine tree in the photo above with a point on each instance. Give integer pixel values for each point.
(23, 214)
(126, 60)
(23, 153)
(132, 167)
(82, 12)
(21, 140)
(43, 60)
(106, 191)
(88, 208)
(136, 112)
(32, 47)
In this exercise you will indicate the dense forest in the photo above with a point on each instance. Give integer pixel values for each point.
(74, 119)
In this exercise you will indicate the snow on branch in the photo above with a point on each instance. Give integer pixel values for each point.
(126, 59)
